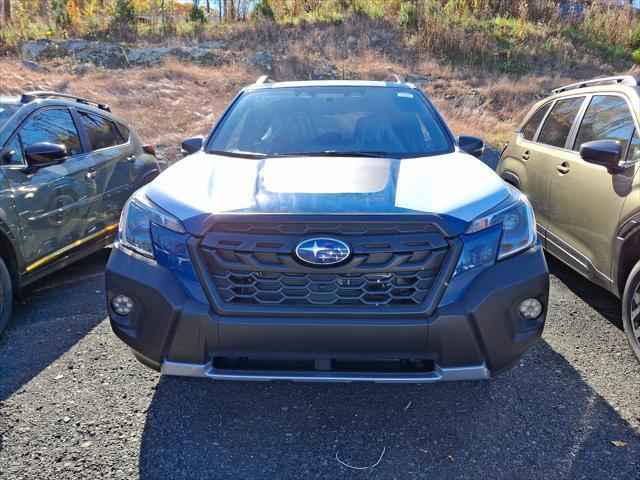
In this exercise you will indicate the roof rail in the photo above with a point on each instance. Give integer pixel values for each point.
(619, 80)
(264, 79)
(397, 78)
(32, 96)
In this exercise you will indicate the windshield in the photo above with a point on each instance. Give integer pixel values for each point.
(6, 111)
(341, 120)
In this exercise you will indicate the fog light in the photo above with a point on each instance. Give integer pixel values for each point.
(531, 308)
(122, 305)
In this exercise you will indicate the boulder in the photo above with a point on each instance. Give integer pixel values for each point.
(107, 55)
(420, 81)
(36, 49)
(200, 54)
(264, 60)
(148, 56)
(102, 54)
(33, 66)
(116, 55)
(329, 71)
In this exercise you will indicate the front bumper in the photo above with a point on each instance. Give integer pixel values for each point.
(174, 329)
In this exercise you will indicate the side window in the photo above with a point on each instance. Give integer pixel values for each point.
(558, 124)
(12, 153)
(607, 118)
(530, 129)
(101, 131)
(633, 155)
(53, 126)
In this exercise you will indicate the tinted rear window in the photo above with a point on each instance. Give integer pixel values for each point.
(607, 118)
(530, 129)
(309, 119)
(558, 124)
(102, 132)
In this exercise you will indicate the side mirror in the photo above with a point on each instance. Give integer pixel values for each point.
(191, 145)
(45, 153)
(607, 153)
(472, 145)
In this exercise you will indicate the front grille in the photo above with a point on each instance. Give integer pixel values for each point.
(401, 288)
(253, 266)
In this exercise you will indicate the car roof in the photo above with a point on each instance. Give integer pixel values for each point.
(60, 102)
(329, 83)
(622, 83)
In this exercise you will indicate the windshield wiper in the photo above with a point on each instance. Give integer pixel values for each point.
(237, 153)
(333, 153)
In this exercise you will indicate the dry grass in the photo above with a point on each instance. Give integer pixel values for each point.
(164, 104)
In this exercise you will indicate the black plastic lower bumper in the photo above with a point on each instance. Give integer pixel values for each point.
(479, 335)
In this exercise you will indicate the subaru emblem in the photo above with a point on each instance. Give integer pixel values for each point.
(322, 251)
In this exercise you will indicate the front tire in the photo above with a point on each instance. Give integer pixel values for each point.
(631, 309)
(6, 296)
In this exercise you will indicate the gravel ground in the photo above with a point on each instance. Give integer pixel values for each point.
(75, 404)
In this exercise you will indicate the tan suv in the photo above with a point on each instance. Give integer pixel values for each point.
(577, 158)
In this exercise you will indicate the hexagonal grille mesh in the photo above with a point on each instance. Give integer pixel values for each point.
(390, 265)
(406, 288)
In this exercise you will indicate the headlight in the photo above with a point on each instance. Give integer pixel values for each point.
(503, 231)
(135, 224)
(498, 234)
(518, 224)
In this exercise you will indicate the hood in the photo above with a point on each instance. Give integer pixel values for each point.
(453, 185)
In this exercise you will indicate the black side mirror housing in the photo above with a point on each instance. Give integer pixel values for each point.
(607, 153)
(472, 145)
(191, 145)
(44, 153)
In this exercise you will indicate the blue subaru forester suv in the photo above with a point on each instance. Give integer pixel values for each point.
(329, 231)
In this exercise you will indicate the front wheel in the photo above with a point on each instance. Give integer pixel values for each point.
(6, 296)
(631, 309)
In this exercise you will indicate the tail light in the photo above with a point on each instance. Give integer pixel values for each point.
(149, 149)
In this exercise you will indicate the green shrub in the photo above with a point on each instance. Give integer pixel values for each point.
(634, 39)
(375, 11)
(125, 12)
(196, 15)
(408, 15)
(635, 56)
(263, 10)
(60, 14)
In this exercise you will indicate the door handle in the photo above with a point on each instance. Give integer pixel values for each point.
(563, 168)
(92, 174)
(525, 155)
(131, 159)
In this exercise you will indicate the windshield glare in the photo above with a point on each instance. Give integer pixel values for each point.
(6, 111)
(394, 122)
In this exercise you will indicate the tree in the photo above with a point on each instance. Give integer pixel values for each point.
(196, 14)
(7, 11)
(125, 12)
(263, 10)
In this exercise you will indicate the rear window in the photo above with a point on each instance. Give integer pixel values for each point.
(394, 122)
(558, 124)
(102, 132)
(607, 118)
(530, 129)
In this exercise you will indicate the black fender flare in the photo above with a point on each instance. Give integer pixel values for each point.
(511, 178)
(626, 252)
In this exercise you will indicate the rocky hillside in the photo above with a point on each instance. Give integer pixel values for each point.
(175, 89)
